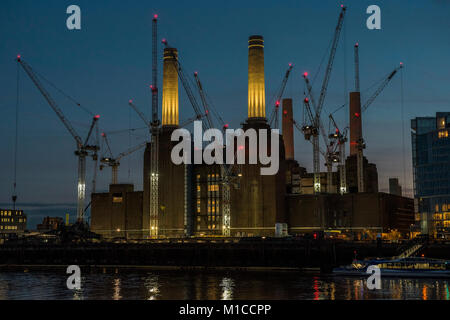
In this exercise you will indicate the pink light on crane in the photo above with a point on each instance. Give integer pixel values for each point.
(130, 101)
(305, 74)
(96, 117)
(103, 134)
(155, 16)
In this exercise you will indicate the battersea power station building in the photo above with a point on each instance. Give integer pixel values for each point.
(205, 200)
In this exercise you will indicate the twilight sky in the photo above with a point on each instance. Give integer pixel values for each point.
(109, 61)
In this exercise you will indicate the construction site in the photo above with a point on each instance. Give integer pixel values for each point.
(338, 200)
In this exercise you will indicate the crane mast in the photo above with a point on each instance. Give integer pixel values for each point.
(83, 148)
(154, 142)
(341, 139)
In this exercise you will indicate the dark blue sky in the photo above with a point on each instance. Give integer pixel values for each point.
(109, 62)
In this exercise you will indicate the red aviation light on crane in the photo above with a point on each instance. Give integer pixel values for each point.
(96, 117)
(357, 44)
(306, 100)
(277, 104)
(305, 74)
(155, 16)
(226, 126)
(290, 64)
(130, 101)
(103, 134)
(164, 41)
(18, 57)
(195, 73)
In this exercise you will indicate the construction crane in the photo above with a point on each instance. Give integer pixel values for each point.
(275, 113)
(318, 109)
(83, 149)
(340, 138)
(114, 162)
(228, 177)
(361, 143)
(381, 87)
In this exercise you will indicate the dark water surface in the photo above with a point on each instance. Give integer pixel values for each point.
(214, 285)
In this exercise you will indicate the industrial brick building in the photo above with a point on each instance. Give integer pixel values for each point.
(193, 199)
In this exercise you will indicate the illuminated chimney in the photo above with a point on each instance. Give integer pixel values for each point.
(355, 122)
(288, 129)
(170, 88)
(256, 89)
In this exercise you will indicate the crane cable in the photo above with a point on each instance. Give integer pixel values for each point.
(16, 139)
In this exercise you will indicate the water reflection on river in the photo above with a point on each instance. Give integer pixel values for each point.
(214, 285)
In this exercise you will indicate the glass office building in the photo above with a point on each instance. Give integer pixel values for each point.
(431, 173)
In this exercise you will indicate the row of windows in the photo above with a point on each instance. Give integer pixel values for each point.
(213, 227)
(20, 220)
(8, 227)
(210, 218)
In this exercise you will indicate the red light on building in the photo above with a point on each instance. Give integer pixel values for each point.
(315, 235)
(357, 114)
(285, 112)
(241, 147)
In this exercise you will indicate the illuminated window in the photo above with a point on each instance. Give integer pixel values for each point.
(443, 134)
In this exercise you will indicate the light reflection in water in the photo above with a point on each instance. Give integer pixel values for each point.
(116, 295)
(152, 286)
(316, 288)
(227, 285)
(215, 285)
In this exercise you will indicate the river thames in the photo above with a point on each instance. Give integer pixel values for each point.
(195, 285)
